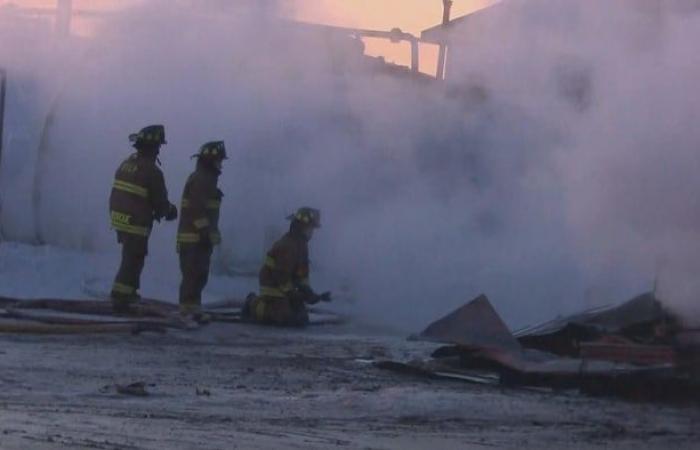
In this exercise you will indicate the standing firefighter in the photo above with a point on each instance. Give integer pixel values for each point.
(284, 277)
(198, 232)
(138, 197)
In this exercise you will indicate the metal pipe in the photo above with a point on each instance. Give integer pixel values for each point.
(415, 55)
(3, 91)
(64, 14)
(394, 35)
(397, 35)
(447, 8)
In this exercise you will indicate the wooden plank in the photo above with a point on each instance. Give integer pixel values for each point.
(25, 327)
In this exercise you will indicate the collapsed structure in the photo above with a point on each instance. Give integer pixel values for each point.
(636, 350)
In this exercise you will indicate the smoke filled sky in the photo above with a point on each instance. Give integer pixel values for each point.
(411, 16)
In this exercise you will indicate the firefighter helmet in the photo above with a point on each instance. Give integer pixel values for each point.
(152, 134)
(307, 216)
(215, 151)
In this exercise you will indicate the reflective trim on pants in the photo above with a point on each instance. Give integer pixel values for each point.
(187, 238)
(193, 238)
(211, 204)
(267, 291)
(121, 288)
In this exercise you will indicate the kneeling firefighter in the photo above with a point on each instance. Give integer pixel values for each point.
(138, 197)
(284, 276)
(198, 232)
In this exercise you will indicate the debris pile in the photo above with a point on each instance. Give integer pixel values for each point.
(636, 350)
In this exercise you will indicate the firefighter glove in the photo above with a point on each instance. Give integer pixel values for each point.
(172, 213)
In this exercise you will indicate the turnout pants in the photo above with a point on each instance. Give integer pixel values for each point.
(195, 260)
(279, 311)
(128, 279)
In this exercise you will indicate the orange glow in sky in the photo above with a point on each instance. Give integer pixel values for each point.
(411, 16)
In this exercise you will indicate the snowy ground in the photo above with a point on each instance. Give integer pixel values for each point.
(241, 386)
(44, 271)
(278, 389)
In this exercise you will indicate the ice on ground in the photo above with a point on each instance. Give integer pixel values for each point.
(28, 271)
(276, 388)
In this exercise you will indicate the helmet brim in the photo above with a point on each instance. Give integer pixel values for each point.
(293, 217)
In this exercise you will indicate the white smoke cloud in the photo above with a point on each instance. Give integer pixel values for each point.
(615, 82)
(557, 166)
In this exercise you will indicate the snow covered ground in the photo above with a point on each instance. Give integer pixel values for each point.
(243, 386)
(28, 271)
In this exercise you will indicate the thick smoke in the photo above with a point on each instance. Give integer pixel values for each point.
(632, 172)
(554, 170)
(615, 80)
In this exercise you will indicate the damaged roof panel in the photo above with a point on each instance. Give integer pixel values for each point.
(611, 318)
(474, 325)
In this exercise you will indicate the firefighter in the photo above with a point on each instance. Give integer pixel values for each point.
(284, 276)
(138, 197)
(198, 232)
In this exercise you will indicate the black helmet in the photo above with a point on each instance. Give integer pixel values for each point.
(215, 151)
(152, 134)
(307, 216)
